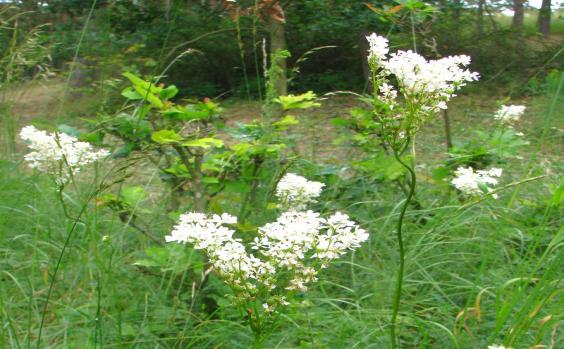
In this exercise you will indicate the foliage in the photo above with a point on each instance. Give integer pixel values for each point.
(85, 265)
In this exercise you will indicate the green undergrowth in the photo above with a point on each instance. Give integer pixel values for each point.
(476, 272)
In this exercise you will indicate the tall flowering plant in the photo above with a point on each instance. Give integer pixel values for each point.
(424, 87)
(283, 258)
(62, 157)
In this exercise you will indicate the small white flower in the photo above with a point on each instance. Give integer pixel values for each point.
(295, 192)
(469, 182)
(342, 235)
(439, 78)
(267, 308)
(389, 94)
(378, 48)
(511, 113)
(287, 240)
(495, 346)
(58, 154)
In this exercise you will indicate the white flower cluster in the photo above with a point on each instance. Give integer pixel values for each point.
(471, 183)
(509, 114)
(58, 154)
(431, 81)
(378, 48)
(227, 254)
(297, 192)
(418, 75)
(292, 249)
(495, 346)
(297, 236)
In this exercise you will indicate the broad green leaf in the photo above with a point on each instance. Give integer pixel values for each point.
(146, 90)
(149, 97)
(286, 121)
(131, 94)
(204, 143)
(303, 101)
(137, 81)
(166, 137)
(168, 92)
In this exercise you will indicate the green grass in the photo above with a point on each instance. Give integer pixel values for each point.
(475, 275)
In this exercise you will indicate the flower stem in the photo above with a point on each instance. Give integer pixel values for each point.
(257, 341)
(60, 258)
(399, 282)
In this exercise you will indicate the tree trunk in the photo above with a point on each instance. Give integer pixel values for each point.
(277, 33)
(518, 13)
(448, 132)
(544, 18)
(480, 20)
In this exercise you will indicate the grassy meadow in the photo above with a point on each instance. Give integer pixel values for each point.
(86, 263)
(476, 271)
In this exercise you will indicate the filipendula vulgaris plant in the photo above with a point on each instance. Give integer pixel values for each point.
(284, 257)
(493, 146)
(472, 178)
(62, 156)
(423, 88)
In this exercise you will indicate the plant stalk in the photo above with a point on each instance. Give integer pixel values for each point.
(57, 266)
(399, 282)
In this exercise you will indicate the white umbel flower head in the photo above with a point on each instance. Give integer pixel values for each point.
(378, 48)
(227, 254)
(202, 231)
(289, 251)
(341, 235)
(295, 192)
(287, 240)
(58, 154)
(474, 183)
(440, 77)
(509, 114)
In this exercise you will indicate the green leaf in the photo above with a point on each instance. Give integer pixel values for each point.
(71, 131)
(383, 167)
(166, 137)
(146, 90)
(131, 94)
(286, 121)
(132, 196)
(169, 92)
(237, 187)
(483, 187)
(204, 143)
(210, 180)
(149, 97)
(137, 81)
(440, 173)
(303, 101)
